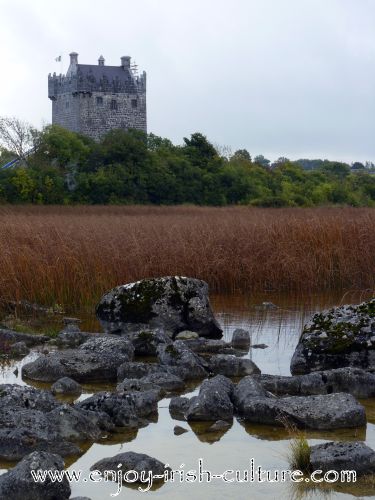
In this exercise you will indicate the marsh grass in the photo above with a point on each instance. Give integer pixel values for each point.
(298, 453)
(72, 255)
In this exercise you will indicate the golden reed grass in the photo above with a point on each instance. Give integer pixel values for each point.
(71, 255)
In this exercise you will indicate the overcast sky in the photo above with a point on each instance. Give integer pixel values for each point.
(291, 78)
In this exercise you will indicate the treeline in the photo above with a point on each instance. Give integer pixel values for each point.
(132, 168)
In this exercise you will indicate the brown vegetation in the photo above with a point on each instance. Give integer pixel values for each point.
(71, 255)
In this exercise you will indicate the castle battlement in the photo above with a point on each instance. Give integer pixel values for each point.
(93, 99)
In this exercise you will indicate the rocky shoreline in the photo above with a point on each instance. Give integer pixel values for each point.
(170, 321)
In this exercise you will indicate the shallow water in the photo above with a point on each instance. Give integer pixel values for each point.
(278, 328)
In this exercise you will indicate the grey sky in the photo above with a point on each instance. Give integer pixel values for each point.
(289, 78)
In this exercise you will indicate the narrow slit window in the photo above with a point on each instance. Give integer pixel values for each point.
(99, 101)
(134, 103)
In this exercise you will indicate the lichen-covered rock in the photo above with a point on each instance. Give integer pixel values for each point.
(130, 461)
(359, 383)
(18, 483)
(66, 385)
(213, 401)
(241, 339)
(342, 336)
(323, 412)
(180, 360)
(95, 360)
(342, 457)
(232, 366)
(173, 303)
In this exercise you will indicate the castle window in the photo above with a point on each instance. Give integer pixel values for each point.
(113, 104)
(67, 104)
(99, 101)
(134, 103)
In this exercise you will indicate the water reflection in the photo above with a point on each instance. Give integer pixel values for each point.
(233, 448)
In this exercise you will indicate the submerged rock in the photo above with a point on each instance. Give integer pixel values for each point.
(66, 385)
(342, 336)
(95, 360)
(219, 426)
(18, 483)
(178, 430)
(343, 456)
(131, 461)
(355, 381)
(173, 303)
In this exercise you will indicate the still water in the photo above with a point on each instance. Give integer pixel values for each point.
(278, 328)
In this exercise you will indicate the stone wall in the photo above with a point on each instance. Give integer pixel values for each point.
(97, 115)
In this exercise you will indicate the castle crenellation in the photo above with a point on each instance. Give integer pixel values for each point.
(93, 99)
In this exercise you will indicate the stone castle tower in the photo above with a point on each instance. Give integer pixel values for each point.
(93, 99)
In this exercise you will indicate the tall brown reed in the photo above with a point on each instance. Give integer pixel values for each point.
(71, 255)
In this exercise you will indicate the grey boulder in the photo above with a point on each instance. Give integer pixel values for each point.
(323, 412)
(343, 456)
(213, 401)
(125, 409)
(145, 342)
(355, 381)
(241, 339)
(178, 406)
(173, 303)
(340, 337)
(131, 461)
(232, 366)
(18, 483)
(179, 359)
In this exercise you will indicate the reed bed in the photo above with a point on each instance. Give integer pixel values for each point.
(72, 255)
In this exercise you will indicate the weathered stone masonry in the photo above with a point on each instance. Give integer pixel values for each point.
(93, 99)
